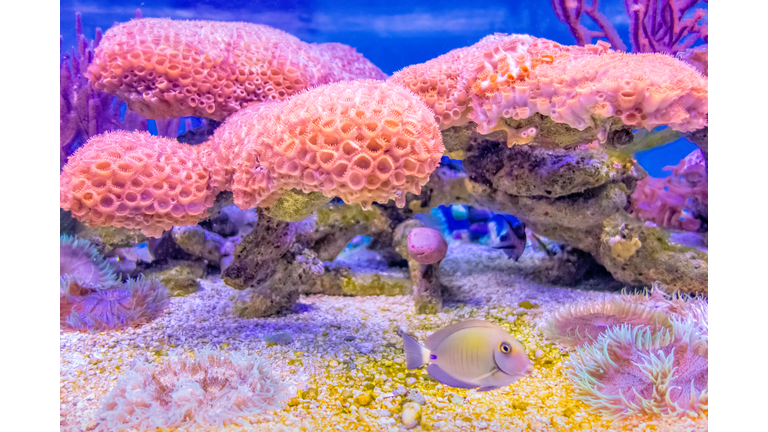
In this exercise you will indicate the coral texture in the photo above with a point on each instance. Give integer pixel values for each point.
(576, 325)
(426, 245)
(80, 260)
(679, 201)
(164, 68)
(361, 141)
(85, 111)
(192, 391)
(135, 180)
(135, 302)
(515, 76)
(636, 371)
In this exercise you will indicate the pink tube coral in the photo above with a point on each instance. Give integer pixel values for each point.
(678, 201)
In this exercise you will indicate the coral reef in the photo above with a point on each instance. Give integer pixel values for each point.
(375, 142)
(193, 391)
(164, 68)
(515, 76)
(83, 264)
(679, 201)
(135, 302)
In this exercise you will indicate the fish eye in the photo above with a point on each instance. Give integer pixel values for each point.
(505, 347)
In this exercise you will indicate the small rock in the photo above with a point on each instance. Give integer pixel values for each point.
(410, 380)
(456, 399)
(399, 390)
(91, 425)
(365, 347)
(416, 396)
(411, 415)
(481, 424)
(363, 399)
(539, 353)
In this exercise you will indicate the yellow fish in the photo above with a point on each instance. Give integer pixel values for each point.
(471, 354)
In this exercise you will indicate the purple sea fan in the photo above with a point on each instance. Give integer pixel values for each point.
(635, 371)
(80, 260)
(193, 391)
(135, 302)
(576, 325)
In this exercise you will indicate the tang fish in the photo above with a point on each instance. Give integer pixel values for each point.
(511, 235)
(471, 354)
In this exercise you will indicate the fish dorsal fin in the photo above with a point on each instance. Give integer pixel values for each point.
(435, 339)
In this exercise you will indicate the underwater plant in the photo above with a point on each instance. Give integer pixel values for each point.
(634, 370)
(135, 302)
(576, 325)
(82, 263)
(201, 389)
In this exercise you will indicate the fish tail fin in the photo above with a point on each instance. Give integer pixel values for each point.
(416, 354)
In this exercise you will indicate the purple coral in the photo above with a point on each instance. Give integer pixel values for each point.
(655, 26)
(636, 371)
(203, 389)
(135, 302)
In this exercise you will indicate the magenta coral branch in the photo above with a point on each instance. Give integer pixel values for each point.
(659, 26)
(570, 12)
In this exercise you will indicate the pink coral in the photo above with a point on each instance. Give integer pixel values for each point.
(164, 68)
(135, 180)
(426, 246)
(121, 305)
(673, 202)
(361, 141)
(192, 391)
(515, 76)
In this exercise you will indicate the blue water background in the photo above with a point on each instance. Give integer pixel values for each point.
(392, 34)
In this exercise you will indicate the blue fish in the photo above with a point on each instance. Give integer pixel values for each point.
(511, 235)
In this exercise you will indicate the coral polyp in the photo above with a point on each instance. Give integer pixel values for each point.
(80, 260)
(204, 388)
(136, 302)
(635, 371)
(575, 325)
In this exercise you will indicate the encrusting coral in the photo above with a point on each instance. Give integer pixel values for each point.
(193, 391)
(83, 264)
(515, 76)
(164, 68)
(362, 141)
(135, 180)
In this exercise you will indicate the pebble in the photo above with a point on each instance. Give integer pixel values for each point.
(410, 380)
(411, 415)
(416, 396)
(539, 353)
(91, 425)
(456, 399)
(400, 391)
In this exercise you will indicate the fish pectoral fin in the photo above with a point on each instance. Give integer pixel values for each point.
(444, 378)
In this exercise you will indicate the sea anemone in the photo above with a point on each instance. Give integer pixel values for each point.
(135, 302)
(634, 370)
(576, 325)
(80, 260)
(191, 391)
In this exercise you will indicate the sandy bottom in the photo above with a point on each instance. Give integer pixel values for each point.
(345, 362)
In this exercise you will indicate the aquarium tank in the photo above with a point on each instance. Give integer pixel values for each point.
(314, 215)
